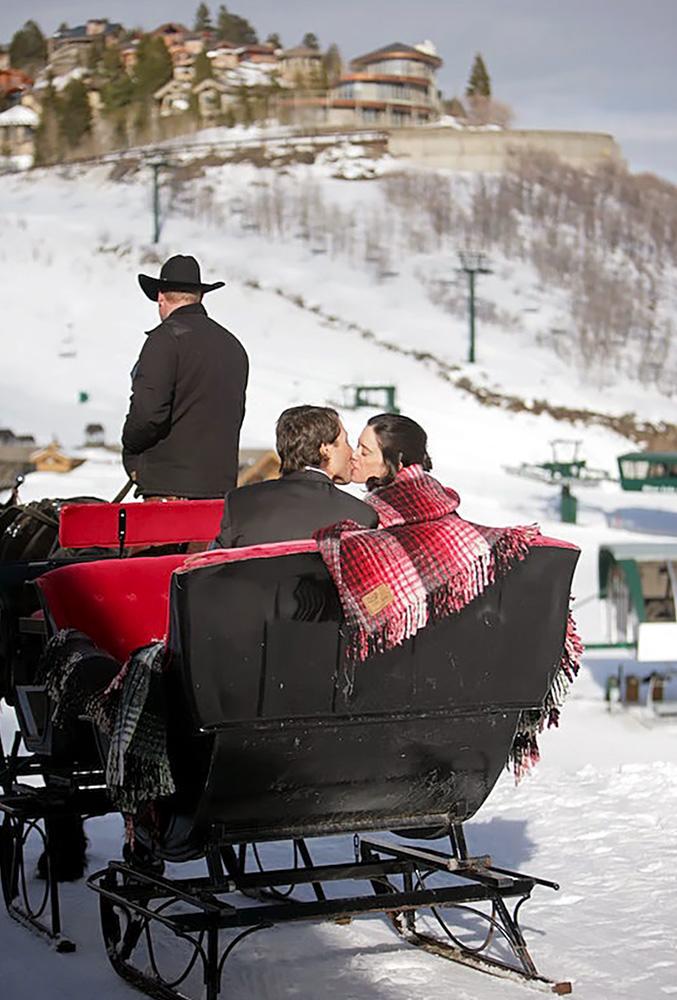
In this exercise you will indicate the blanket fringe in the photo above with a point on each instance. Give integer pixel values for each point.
(524, 752)
(512, 546)
(129, 711)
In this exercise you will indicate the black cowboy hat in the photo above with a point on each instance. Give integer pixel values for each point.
(178, 274)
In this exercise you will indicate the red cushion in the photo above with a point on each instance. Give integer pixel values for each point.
(85, 524)
(119, 603)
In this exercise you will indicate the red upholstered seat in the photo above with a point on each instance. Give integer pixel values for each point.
(120, 604)
(156, 522)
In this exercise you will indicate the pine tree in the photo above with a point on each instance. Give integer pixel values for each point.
(75, 114)
(223, 24)
(153, 66)
(111, 62)
(28, 48)
(95, 53)
(479, 84)
(117, 89)
(310, 41)
(117, 92)
(47, 137)
(274, 40)
(203, 19)
(332, 64)
(235, 29)
(202, 68)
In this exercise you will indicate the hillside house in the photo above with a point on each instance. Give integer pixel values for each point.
(70, 47)
(15, 460)
(223, 56)
(14, 83)
(256, 465)
(53, 459)
(300, 66)
(17, 137)
(172, 34)
(213, 98)
(260, 53)
(392, 86)
(184, 64)
(7, 436)
(15, 456)
(173, 98)
(216, 94)
(197, 42)
(95, 436)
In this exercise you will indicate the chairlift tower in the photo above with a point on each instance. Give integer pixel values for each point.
(156, 165)
(473, 262)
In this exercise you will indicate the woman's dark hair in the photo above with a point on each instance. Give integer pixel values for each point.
(300, 433)
(402, 441)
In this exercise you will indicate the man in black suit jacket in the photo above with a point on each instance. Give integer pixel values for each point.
(182, 432)
(315, 454)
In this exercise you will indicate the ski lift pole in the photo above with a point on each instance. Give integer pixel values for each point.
(473, 262)
(156, 166)
(471, 316)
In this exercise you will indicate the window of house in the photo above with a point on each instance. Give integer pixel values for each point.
(400, 67)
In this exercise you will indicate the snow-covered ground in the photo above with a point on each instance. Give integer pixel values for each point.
(598, 813)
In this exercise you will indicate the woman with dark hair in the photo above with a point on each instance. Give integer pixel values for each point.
(390, 442)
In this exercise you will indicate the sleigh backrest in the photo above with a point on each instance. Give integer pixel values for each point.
(109, 525)
(304, 743)
(120, 604)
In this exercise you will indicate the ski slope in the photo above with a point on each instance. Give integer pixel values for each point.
(598, 813)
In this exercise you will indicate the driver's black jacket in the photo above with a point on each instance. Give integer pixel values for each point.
(181, 435)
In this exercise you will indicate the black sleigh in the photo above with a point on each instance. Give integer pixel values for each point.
(274, 737)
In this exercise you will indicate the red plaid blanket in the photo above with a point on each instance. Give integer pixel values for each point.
(423, 563)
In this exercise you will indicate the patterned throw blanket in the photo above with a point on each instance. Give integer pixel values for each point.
(126, 705)
(422, 564)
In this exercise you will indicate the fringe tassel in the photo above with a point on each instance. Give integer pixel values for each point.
(524, 752)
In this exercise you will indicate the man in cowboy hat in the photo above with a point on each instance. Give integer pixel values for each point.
(182, 432)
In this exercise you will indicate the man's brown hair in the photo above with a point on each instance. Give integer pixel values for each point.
(300, 433)
(184, 298)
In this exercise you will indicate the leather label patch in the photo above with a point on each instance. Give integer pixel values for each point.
(378, 599)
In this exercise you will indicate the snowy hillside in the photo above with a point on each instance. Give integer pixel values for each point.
(325, 288)
(311, 321)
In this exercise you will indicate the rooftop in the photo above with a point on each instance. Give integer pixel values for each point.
(301, 51)
(423, 53)
(80, 31)
(19, 115)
